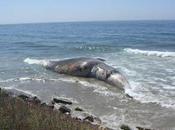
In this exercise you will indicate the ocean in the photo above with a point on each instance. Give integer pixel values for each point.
(144, 51)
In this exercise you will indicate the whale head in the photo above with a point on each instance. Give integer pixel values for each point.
(110, 75)
(118, 80)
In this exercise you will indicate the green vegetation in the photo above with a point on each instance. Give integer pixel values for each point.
(17, 114)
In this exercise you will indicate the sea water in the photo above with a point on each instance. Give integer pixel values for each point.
(144, 51)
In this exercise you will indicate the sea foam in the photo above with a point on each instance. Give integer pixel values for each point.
(36, 61)
(150, 53)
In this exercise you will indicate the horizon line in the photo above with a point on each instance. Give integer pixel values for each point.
(84, 21)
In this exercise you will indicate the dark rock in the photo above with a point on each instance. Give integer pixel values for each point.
(97, 120)
(125, 127)
(76, 81)
(78, 109)
(89, 118)
(78, 119)
(64, 109)
(24, 97)
(34, 100)
(140, 128)
(43, 104)
(55, 100)
(127, 95)
(101, 59)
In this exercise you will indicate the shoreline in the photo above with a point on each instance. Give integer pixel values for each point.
(21, 112)
(21, 106)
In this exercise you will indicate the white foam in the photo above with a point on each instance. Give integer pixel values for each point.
(24, 78)
(36, 61)
(144, 95)
(20, 90)
(7, 80)
(150, 53)
(100, 89)
(112, 121)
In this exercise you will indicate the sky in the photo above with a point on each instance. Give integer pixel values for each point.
(34, 11)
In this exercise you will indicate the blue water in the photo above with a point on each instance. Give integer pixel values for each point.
(144, 51)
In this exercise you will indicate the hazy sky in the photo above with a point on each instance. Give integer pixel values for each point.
(26, 11)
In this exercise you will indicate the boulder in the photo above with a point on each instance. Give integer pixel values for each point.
(64, 109)
(89, 118)
(141, 128)
(55, 100)
(24, 97)
(125, 127)
(78, 109)
(34, 100)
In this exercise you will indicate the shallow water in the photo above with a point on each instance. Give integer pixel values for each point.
(143, 51)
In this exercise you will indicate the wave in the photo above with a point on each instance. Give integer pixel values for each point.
(141, 93)
(150, 53)
(97, 87)
(20, 90)
(36, 61)
(43, 62)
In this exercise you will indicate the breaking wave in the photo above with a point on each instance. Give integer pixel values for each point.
(36, 61)
(150, 53)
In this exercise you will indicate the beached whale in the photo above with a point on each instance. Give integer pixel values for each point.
(89, 67)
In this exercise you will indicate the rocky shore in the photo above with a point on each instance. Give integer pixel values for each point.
(22, 112)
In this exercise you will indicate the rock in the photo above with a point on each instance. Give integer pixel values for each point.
(125, 127)
(64, 109)
(89, 118)
(55, 100)
(97, 120)
(101, 59)
(127, 95)
(34, 100)
(78, 109)
(51, 105)
(140, 128)
(24, 97)
(43, 104)
(76, 81)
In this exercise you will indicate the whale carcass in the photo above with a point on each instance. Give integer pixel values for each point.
(89, 67)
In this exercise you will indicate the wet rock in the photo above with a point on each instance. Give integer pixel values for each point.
(89, 118)
(34, 100)
(127, 95)
(140, 128)
(78, 109)
(64, 109)
(55, 100)
(76, 81)
(125, 127)
(43, 104)
(24, 97)
(97, 120)
(101, 59)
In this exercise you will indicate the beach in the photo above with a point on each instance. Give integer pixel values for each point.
(143, 51)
